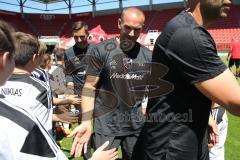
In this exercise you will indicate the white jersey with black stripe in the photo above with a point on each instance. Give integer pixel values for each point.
(30, 94)
(218, 114)
(22, 136)
(43, 76)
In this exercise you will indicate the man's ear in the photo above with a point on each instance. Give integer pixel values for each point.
(35, 59)
(4, 57)
(119, 23)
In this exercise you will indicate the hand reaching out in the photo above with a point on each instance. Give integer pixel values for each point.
(101, 154)
(75, 99)
(82, 135)
(62, 109)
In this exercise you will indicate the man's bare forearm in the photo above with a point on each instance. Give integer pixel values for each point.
(88, 98)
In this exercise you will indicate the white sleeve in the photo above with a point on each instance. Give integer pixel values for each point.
(5, 149)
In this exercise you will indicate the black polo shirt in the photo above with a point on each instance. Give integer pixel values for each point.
(121, 87)
(177, 120)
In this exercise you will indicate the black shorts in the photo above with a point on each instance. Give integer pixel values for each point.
(168, 152)
(235, 62)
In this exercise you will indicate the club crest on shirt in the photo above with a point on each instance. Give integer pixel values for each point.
(113, 64)
(76, 60)
(110, 46)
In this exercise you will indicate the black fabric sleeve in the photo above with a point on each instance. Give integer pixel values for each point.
(193, 53)
(95, 62)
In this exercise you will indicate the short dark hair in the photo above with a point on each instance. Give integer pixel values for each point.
(6, 38)
(59, 53)
(79, 25)
(26, 46)
(45, 60)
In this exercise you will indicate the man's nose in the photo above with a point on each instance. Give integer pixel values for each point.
(228, 2)
(131, 33)
(79, 39)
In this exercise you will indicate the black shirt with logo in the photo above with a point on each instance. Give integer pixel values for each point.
(76, 60)
(121, 87)
(177, 121)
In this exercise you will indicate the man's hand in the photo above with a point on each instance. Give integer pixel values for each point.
(213, 132)
(101, 154)
(82, 135)
(75, 99)
(62, 108)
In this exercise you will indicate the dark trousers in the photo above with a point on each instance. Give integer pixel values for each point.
(127, 143)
